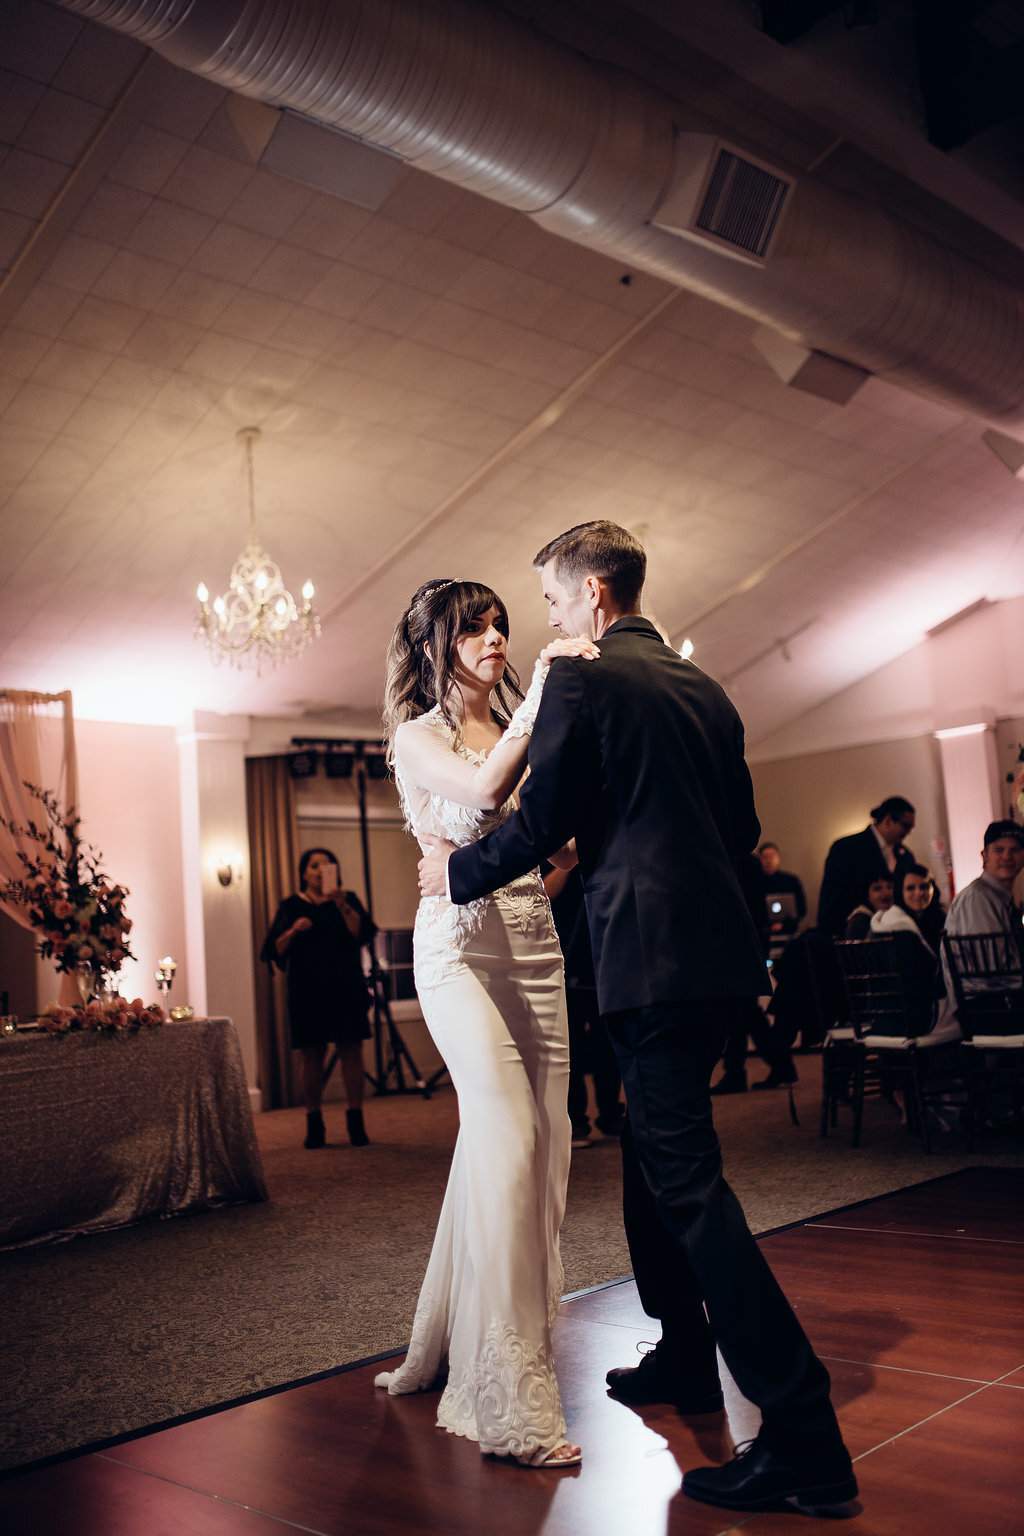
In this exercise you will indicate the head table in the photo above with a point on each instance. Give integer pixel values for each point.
(99, 1131)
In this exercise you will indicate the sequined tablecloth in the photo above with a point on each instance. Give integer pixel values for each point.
(101, 1131)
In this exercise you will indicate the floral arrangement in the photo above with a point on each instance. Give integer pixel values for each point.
(1016, 781)
(115, 1016)
(69, 899)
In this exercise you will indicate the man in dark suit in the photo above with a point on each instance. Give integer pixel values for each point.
(639, 755)
(877, 853)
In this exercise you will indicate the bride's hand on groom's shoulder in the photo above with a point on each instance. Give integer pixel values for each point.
(572, 645)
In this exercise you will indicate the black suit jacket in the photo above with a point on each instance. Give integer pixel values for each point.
(639, 756)
(852, 863)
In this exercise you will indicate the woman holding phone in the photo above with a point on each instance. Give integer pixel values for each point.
(316, 938)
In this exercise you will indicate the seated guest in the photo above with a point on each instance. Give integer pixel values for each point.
(914, 920)
(779, 882)
(986, 905)
(879, 898)
(853, 862)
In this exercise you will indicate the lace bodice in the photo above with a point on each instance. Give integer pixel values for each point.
(429, 815)
(443, 929)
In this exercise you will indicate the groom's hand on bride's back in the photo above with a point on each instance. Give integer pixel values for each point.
(433, 869)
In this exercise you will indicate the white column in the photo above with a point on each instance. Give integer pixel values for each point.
(970, 776)
(214, 828)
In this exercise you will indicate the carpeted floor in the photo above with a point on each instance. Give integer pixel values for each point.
(115, 1332)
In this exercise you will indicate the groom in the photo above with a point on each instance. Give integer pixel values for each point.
(639, 756)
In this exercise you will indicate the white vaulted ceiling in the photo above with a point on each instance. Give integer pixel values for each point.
(441, 386)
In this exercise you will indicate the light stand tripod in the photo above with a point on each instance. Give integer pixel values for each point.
(391, 1054)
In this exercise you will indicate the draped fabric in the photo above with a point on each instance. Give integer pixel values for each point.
(37, 746)
(98, 1133)
(273, 859)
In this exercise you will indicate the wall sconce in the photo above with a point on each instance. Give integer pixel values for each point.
(229, 867)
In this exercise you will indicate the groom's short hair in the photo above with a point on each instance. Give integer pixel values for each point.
(601, 549)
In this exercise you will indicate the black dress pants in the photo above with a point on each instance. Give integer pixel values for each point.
(695, 1261)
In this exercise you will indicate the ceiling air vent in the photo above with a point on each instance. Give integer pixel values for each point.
(721, 196)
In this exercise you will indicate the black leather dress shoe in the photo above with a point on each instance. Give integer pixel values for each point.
(760, 1478)
(649, 1382)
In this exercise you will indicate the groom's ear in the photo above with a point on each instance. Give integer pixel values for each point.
(593, 586)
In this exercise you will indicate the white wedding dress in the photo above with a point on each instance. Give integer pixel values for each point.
(490, 984)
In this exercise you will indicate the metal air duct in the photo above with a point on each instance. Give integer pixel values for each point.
(469, 93)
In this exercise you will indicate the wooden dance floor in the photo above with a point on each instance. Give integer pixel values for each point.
(914, 1301)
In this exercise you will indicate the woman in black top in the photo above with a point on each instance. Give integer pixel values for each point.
(317, 939)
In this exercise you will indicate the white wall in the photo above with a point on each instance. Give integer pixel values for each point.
(214, 822)
(128, 792)
(817, 779)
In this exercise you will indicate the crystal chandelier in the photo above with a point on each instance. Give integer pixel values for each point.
(257, 621)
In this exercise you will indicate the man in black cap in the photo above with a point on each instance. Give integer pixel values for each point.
(987, 904)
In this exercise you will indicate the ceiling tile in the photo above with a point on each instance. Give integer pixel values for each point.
(71, 367)
(112, 212)
(19, 98)
(40, 407)
(270, 205)
(15, 232)
(232, 252)
(134, 278)
(150, 158)
(79, 262)
(165, 228)
(254, 316)
(28, 183)
(60, 127)
(196, 297)
(20, 352)
(207, 183)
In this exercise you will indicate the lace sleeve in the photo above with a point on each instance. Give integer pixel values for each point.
(521, 723)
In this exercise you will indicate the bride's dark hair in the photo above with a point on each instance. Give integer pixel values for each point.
(420, 667)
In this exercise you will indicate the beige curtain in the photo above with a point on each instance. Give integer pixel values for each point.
(37, 746)
(273, 860)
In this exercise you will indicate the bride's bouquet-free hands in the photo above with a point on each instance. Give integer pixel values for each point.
(569, 645)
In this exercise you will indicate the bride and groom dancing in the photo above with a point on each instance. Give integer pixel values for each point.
(636, 769)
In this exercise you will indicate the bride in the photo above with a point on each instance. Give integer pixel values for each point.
(489, 980)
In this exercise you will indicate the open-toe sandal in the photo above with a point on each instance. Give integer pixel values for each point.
(564, 1455)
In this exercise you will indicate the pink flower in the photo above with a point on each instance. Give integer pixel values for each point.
(85, 953)
(62, 909)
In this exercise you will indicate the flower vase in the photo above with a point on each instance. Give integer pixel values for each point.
(88, 981)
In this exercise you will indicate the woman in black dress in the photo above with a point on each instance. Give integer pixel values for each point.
(317, 938)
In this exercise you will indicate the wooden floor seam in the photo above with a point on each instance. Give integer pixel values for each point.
(952, 1237)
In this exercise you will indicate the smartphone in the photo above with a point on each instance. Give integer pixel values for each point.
(329, 873)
